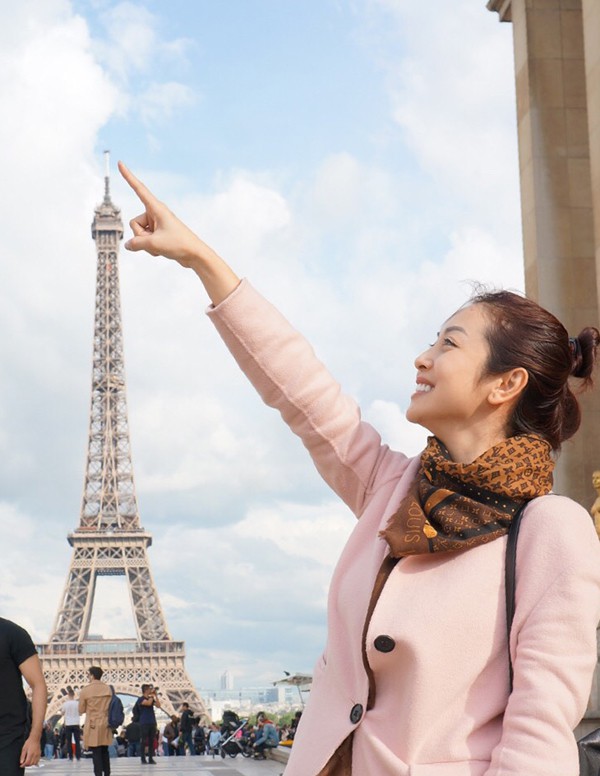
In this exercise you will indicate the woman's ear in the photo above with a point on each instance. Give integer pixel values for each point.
(508, 386)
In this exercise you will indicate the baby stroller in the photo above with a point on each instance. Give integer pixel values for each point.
(233, 742)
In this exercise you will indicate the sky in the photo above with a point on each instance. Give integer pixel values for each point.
(356, 160)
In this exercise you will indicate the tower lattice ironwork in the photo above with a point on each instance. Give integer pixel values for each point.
(110, 539)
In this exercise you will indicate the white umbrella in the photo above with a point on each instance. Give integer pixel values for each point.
(301, 681)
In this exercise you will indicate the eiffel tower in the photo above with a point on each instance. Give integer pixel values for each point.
(110, 539)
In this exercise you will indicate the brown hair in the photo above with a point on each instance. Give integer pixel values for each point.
(523, 334)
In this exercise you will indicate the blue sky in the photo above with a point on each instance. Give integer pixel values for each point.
(355, 159)
(269, 84)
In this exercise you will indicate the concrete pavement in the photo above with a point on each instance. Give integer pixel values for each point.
(165, 766)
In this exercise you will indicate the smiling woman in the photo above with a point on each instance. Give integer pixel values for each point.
(415, 676)
(453, 397)
(500, 367)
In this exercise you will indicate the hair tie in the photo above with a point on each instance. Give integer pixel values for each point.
(575, 346)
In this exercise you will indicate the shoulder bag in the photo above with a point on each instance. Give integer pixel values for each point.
(588, 746)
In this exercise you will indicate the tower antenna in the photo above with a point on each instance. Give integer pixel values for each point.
(107, 176)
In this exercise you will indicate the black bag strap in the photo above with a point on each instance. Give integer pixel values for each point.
(510, 567)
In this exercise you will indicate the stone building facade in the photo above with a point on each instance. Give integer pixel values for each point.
(557, 70)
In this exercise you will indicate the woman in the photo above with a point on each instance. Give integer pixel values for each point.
(169, 735)
(48, 736)
(415, 677)
(267, 737)
(94, 701)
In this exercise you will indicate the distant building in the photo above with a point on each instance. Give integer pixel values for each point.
(227, 680)
(248, 700)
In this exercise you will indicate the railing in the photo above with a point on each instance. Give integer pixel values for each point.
(111, 646)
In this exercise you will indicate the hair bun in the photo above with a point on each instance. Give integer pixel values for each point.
(576, 355)
(583, 352)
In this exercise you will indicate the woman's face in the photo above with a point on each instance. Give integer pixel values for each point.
(451, 394)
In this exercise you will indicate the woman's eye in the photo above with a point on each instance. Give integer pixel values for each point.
(444, 341)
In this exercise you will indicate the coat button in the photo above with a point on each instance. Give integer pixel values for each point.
(384, 643)
(356, 713)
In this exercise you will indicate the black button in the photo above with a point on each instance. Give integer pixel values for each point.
(384, 643)
(356, 713)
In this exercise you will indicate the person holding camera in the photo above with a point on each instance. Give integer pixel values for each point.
(146, 704)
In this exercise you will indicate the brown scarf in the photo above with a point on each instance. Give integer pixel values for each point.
(455, 506)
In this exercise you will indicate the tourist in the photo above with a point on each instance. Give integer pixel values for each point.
(147, 702)
(415, 677)
(294, 724)
(122, 743)
(186, 725)
(133, 735)
(214, 739)
(199, 738)
(71, 729)
(266, 737)
(94, 700)
(169, 735)
(47, 741)
(21, 723)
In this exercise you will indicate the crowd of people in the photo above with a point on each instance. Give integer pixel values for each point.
(25, 737)
(180, 735)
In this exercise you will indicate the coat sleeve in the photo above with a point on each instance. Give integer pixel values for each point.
(553, 643)
(283, 368)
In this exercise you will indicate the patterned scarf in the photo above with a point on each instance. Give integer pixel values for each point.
(456, 506)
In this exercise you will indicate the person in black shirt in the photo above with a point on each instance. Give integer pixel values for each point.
(185, 728)
(19, 746)
(148, 722)
(199, 739)
(133, 735)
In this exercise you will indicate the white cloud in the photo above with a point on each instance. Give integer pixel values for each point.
(133, 42)
(293, 527)
(365, 254)
(29, 585)
(241, 585)
(53, 92)
(389, 419)
(456, 103)
(159, 102)
(240, 215)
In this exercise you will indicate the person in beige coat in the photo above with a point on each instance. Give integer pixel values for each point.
(94, 701)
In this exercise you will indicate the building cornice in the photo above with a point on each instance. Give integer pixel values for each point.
(503, 7)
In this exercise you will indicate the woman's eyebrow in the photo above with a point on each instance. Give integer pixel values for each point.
(449, 329)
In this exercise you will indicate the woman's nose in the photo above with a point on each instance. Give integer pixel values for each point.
(423, 360)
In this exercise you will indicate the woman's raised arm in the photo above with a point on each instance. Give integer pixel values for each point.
(159, 232)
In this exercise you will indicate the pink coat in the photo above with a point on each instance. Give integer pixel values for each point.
(442, 704)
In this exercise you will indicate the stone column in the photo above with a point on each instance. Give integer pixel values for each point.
(557, 67)
(591, 37)
(556, 193)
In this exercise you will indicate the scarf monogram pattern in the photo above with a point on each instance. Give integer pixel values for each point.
(456, 506)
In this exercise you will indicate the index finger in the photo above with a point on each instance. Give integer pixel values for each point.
(144, 193)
